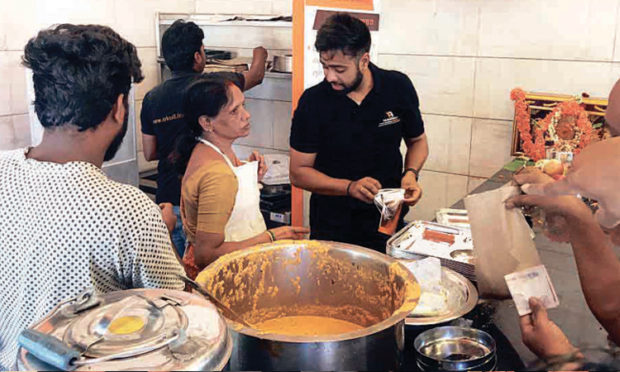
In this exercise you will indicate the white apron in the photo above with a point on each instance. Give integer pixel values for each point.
(246, 220)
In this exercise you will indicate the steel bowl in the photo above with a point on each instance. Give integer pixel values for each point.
(314, 278)
(455, 349)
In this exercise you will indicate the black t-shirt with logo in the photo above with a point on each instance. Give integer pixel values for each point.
(355, 141)
(162, 117)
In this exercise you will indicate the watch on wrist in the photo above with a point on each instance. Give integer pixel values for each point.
(412, 170)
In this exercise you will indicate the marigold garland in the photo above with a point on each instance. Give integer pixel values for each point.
(534, 146)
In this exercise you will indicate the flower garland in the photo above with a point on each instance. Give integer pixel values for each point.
(534, 146)
(582, 126)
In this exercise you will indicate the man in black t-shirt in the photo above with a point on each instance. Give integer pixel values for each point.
(162, 109)
(346, 135)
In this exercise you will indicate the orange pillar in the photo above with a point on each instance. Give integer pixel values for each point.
(297, 198)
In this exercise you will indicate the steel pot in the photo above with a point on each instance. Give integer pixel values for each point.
(283, 63)
(145, 329)
(315, 278)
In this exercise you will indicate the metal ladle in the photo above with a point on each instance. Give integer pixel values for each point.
(226, 311)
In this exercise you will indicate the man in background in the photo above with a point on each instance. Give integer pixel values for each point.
(162, 109)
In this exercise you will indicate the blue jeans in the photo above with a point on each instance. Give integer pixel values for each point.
(178, 235)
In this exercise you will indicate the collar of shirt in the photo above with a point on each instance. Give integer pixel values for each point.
(79, 165)
(377, 79)
(179, 74)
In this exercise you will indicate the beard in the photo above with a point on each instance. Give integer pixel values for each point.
(353, 86)
(118, 140)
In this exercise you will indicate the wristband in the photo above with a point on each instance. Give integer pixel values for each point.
(272, 236)
(349, 187)
(412, 170)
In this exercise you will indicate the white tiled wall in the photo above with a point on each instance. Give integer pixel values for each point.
(246, 36)
(440, 190)
(150, 70)
(464, 57)
(12, 84)
(449, 140)
(271, 118)
(445, 85)
(490, 146)
(447, 27)
(234, 6)
(280, 7)
(495, 77)
(135, 20)
(281, 124)
(550, 29)
(7, 132)
(270, 102)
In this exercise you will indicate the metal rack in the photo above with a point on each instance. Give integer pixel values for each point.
(164, 20)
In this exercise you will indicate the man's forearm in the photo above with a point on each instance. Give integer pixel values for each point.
(417, 152)
(599, 273)
(149, 147)
(312, 180)
(151, 156)
(254, 75)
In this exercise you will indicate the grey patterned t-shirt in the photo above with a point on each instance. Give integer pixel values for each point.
(66, 227)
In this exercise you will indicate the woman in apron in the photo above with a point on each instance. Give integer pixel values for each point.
(219, 193)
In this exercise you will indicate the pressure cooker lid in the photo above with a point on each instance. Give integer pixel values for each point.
(139, 328)
(133, 323)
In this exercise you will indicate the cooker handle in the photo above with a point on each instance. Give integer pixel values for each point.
(49, 349)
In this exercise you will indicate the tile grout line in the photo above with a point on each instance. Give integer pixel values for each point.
(613, 50)
(498, 57)
(473, 96)
(454, 174)
(13, 114)
(465, 117)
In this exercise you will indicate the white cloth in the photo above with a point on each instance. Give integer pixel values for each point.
(388, 201)
(246, 220)
(66, 227)
(278, 166)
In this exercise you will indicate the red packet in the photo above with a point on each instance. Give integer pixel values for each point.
(389, 227)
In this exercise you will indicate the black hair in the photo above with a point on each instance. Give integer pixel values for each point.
(205, 96)
(345, 33)
(179, 44)
(78, 73)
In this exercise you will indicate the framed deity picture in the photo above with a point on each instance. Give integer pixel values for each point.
(554, 126)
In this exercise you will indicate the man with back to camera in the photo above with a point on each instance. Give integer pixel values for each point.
(162, 108)
(346, 134)
(64, 224)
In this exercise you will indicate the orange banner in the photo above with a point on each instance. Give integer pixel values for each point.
(345, 4)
